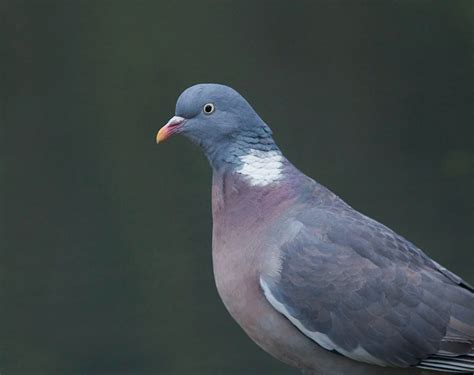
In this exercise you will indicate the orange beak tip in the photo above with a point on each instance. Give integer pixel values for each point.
(161, 135)
(169, 129)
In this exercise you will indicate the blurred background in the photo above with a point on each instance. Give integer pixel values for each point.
(105, 238)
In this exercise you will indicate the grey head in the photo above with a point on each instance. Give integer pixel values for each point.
(220, 121)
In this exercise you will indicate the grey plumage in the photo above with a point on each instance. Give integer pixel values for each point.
(354, 280)
(315, 283)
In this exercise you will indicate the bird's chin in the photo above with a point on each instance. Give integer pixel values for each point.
(173, 126)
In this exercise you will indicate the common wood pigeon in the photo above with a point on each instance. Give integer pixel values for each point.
(314, 282)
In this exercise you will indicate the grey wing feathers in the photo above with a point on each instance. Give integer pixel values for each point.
(356, 287)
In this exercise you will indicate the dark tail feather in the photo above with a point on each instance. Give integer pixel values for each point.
(463, 365)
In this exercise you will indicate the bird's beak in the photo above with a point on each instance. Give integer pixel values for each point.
(170, 128)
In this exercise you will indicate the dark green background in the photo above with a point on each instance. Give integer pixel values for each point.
(105, 238)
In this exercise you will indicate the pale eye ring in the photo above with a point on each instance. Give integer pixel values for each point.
(208, 108)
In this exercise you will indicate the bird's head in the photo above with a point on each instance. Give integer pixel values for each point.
(217, 118)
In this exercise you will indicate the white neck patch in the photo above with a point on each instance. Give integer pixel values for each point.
(262, 168)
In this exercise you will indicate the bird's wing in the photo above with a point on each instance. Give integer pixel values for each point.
(355, 287)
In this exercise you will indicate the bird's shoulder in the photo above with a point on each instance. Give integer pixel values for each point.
(324, 219)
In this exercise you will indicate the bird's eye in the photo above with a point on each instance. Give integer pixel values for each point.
(208, 108)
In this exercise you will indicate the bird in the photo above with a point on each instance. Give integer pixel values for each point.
(313, 282)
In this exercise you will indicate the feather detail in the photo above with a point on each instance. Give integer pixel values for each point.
(461, 364)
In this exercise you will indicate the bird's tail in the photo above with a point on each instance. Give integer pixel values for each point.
(457, 365)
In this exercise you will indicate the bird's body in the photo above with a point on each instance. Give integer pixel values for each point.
(311, 280)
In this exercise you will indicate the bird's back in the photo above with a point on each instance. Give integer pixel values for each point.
(356, 287)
